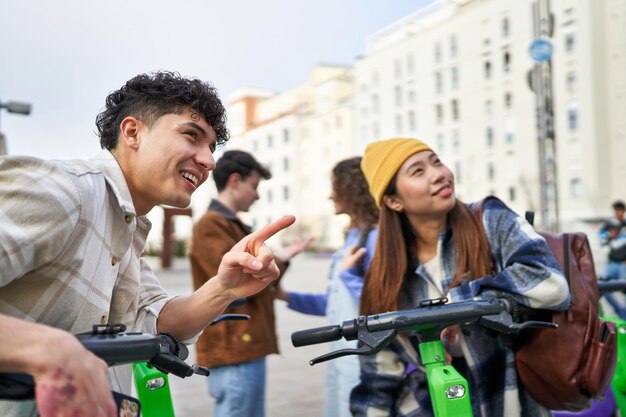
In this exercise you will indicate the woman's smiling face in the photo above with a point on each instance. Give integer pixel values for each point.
(424, 187)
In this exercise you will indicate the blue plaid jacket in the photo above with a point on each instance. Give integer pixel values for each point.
(393, 382)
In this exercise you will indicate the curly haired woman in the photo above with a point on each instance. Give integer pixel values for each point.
(351, 196)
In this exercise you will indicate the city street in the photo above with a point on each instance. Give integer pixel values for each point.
(293, 387)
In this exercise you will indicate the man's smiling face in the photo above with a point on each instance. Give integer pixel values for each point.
(171, 159)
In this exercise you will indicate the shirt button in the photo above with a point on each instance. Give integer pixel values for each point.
(128, 219)
(246, 337)
(114, 261)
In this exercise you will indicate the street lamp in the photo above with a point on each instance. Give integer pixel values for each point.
(12, 107)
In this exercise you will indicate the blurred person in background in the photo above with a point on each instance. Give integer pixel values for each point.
(351, 196)
(613, 235)
(235, 350)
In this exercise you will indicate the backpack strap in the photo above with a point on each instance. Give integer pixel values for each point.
(530, 218)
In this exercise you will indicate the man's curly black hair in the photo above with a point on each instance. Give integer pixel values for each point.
(150, 96)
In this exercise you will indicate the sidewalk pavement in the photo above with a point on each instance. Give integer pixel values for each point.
(293, 387)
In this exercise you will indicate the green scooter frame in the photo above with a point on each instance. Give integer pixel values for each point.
(153, 386)
(448, 389)
(153, 391)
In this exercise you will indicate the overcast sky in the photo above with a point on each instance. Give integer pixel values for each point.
(64, 57)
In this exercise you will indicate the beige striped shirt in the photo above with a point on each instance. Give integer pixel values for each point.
(70, 251)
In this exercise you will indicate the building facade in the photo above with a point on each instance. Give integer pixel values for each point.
(300, 135)
(456, 74)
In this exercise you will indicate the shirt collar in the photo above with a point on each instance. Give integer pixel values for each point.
(220, 208)
(117, 184)
(115, 179)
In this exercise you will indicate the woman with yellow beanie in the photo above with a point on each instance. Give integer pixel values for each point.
(429, 246)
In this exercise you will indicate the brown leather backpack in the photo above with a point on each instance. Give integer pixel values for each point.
(564, 368)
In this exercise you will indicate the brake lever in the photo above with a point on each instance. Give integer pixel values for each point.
(372, 343)
(503, 323)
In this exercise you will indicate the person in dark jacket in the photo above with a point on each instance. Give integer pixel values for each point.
(235, 351)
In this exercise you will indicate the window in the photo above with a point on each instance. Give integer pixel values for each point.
(398, 94)
(411, 96)
(570, 82)
(270, 141)
(454, 78)
(438, 82)
(375, 104)
(506, 61)
(397, 68)
(440, 144)
(286, 193)
(412, 121)
(576, 187)
(491, 171)
(508, 99)
(269, 196)
(511, 193)
(509, 130)
(453, 46)
(570, 42)
(439, 113)
(437, 52)
(286, 135)
(255, 146)
(410, 64)
(506, 27)
(489, 135)
(487, 70)
(572, 116)
(486, 31)
(454, 104)
(285, 164)
(398, 124)
(456, 143)
(488, 108)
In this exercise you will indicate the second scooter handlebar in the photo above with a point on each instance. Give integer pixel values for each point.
(494, 314)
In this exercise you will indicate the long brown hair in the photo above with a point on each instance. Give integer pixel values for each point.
(396, 245)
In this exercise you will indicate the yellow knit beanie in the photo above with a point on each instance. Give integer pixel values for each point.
(382, 160)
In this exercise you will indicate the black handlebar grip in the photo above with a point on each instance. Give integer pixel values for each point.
(316, 335)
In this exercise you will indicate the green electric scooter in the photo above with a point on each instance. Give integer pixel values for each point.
(449, 391)
(152, 384)
(153, 356)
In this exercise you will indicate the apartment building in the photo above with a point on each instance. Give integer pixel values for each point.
(299, 134)
(455, 74)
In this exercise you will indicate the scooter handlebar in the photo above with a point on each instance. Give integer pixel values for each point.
(317, 335)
